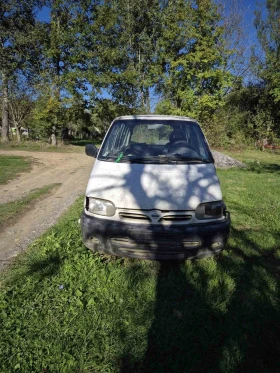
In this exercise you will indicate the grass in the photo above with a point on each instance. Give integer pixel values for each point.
(257, 159)
(83, 143)
(12, 166)
(11, 211)
(64, 309)
(76, 146)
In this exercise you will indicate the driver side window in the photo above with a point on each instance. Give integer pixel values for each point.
(118, 139)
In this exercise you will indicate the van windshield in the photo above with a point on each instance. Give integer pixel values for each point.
(155, 141)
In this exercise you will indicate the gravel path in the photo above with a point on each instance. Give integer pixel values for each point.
(72, 170)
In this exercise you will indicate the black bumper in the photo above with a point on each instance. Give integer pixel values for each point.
(155, 241)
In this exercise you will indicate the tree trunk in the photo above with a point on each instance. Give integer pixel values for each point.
(18, 134)
(53, 136)
(264, 143)
(5, 110)
(147, 101)
(53, 140)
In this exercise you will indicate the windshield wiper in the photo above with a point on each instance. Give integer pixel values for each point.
(163, 159)
(149, 159)
(182, 158)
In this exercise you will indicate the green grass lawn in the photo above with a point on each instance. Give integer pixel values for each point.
(13, 210)
(11, 166)
(64, 309)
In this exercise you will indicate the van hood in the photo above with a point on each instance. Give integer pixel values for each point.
(154, 186)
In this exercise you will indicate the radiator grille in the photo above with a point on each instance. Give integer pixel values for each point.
(176, 218)
(134, 216)
(156, 216)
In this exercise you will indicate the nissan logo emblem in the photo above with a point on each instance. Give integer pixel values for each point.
(155, 215)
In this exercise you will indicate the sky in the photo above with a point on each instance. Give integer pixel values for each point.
(248, 5)
(44, 14)
(252, 4)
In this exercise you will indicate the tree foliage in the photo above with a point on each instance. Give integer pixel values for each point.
(194, 79)
(18, 52)
(269, 36)
(94, 60)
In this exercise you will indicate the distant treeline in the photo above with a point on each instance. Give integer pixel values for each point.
(93, 60)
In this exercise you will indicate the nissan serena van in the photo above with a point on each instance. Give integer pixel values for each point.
(153, 192)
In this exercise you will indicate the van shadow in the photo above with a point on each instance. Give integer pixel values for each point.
(171, 338)
(214, 315)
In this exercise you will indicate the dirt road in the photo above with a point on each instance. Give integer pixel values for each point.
(70, 169)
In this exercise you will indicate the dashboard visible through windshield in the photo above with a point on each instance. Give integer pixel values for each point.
(155, 141)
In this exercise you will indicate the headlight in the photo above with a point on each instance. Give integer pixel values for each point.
(210, 210)
(100, 206)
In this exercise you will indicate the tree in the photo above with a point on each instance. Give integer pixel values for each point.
(237, 41)
(45, 114)
(55, 64)
(248, 116)
(194, 77)
(125, 35)
(21, 103)
(17, 23)
(268, 28)
(70, 66)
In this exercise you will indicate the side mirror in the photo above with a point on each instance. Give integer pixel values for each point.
(91, 150)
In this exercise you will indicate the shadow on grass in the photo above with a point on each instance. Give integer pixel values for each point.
(263, 167)
(45, 268)
(215, 315)
(35, 268)
(78, 142)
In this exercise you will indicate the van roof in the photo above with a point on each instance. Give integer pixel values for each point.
(156, 117)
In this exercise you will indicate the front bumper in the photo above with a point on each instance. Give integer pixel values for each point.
(155, 241)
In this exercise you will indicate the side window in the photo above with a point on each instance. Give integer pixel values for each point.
(200, 141)
(191, 136)
(117, 138)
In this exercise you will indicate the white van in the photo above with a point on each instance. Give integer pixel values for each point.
(153, 192)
